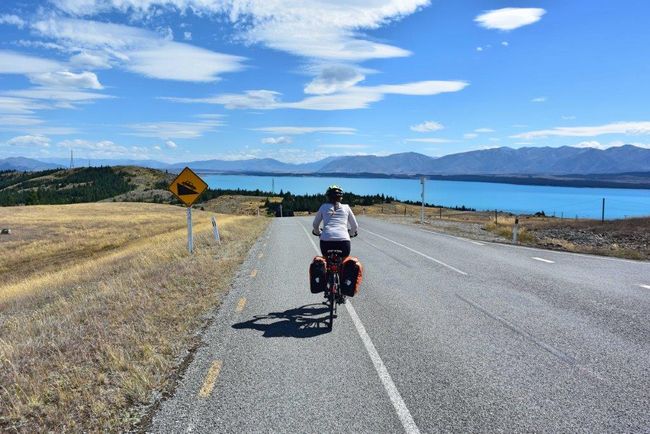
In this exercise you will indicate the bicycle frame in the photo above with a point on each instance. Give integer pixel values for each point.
(334, 260)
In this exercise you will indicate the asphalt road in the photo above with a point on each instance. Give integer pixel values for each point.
(447, 334)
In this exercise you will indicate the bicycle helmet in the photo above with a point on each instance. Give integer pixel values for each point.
(334, 190)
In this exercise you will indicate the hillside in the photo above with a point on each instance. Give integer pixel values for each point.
(503, 161)
(86, 184)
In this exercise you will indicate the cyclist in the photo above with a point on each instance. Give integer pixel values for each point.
(339, 223)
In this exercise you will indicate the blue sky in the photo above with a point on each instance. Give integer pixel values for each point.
(296, 80)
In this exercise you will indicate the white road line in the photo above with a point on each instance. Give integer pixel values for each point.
(548, 261)
(644, 286)
(400, 407)
(418, 253)
(403, 412)
(467, 240)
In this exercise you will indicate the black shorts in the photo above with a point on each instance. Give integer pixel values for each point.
(343, 246)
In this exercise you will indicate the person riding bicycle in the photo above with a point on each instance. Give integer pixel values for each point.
(339, 223)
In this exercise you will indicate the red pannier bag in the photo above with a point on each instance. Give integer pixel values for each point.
(318, 275)
(351, 276)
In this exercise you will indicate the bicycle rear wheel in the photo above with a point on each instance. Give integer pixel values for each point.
(332, 301)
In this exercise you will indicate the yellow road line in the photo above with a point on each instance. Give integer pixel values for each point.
(241, 304)
(211, 379)
(254, 273)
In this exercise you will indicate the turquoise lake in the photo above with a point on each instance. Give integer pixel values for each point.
(561, 201)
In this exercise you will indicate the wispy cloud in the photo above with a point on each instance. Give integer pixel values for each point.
(17, 63)
(427, 126)
(484, 130)
(614, 144)
(626, 128)
(137, 50)
(295, 130)
(509, 18)
(327, 30)
(539, 99)
(30, 141)
(355, 97)
(175, 130)
(281, 140)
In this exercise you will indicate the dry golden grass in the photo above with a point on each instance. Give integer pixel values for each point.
(97, 303)
(238, 204)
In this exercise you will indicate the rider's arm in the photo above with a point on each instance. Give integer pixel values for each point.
(352, 221)
(317, 220)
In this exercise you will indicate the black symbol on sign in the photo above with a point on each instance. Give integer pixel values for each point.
(185, 188)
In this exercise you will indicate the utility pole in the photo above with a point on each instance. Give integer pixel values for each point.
(602, 218)
(71, 160)
(422, 180)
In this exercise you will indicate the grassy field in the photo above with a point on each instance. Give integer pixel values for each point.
(98, 303)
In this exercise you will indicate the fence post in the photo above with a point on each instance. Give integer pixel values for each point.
(602, 218)
(496, 218)
(515, 230)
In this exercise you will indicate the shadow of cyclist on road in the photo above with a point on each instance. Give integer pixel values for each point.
(301, 322)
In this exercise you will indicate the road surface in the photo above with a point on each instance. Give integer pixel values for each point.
(447, 334)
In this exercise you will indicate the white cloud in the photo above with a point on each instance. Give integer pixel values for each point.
(91, 60)
(20, 105)
(87, 80)
(479, 48)
(282, 140)
(355, 97)
(470, 136)
(484, 130)
(175, 130)
(539, 99)
(427, 126)
(60, 96)
(13, 20)
(317, 29)
(306, 130)
(19, 120)
(505, 43)
(614, 144)
(509, 18)
(30, 141)
(334, 78)
(568, 118)
(430, 140)
(187, 36)
(138, 50)
(171, 144)
(627, 128)
(16, 63)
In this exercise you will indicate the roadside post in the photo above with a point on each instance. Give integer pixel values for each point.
(187, 187)
(602, 218)
(422, 180)
(515, 230)
(215, 230)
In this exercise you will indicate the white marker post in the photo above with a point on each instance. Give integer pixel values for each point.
(422, 179)
(215, 230)
(515, 231)
(190, 240)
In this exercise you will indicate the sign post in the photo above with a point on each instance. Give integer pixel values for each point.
(422, 179)
(187, 187)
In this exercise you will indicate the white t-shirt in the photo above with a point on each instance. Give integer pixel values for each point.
(337, 219)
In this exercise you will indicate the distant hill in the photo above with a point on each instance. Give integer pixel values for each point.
(533, 161)
(23, 164)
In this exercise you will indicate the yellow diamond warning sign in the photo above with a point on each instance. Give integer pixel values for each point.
(187, 186)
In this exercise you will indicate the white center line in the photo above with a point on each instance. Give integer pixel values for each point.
(644, 286)
(418, 253)
(543, 260)
(395, 397)
(455, 237)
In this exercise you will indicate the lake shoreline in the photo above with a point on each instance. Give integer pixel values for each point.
(633, 180)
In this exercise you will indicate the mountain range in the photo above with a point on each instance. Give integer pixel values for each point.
(564, 160)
